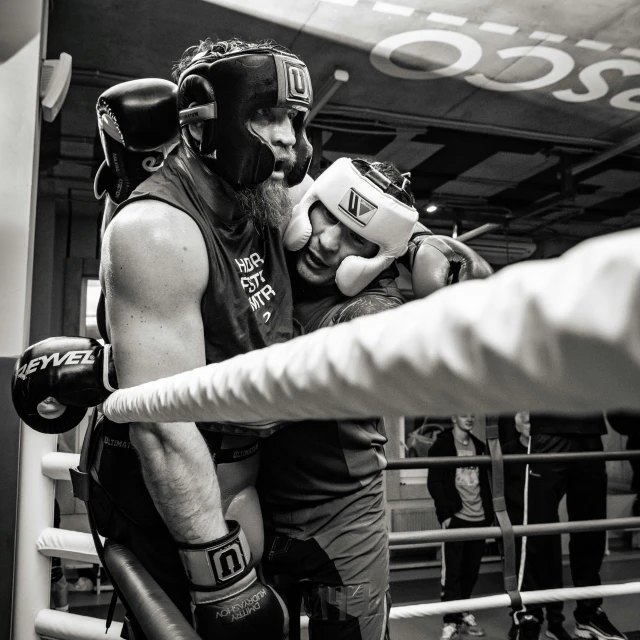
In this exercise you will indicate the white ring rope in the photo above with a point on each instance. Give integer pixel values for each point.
(70, 626)
(56, 465)
(67, 544)
(556, 335)
(502, 600)
(494, 532)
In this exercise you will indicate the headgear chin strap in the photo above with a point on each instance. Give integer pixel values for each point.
(361, 204)
(227, 92)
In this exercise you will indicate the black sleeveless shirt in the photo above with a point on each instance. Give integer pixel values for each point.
(247, 304)
(337, 463)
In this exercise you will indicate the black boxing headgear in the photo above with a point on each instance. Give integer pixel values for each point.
(227, 92)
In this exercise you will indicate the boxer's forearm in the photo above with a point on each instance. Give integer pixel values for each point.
(181, 479)
(557, 335)
(153, 309)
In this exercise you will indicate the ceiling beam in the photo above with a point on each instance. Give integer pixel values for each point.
(544, 203)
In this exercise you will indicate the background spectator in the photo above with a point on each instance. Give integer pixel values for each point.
(628, 424)
(462, 498)
(515, 476)
(585, 485)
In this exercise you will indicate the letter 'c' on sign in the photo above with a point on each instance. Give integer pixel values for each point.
(470, 54)
(562, 66)
(597, 87)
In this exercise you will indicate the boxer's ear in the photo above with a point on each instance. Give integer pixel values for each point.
(195, 129)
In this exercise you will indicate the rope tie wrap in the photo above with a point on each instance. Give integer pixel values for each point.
(507, 542)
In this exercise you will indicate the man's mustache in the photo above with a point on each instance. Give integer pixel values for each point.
(287, 162)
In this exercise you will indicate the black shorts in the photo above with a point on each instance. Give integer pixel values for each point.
(124, 512)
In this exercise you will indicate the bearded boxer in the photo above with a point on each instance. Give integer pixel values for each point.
(193, 272)
(235, 479)
(321, 481)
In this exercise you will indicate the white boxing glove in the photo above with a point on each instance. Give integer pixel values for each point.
(298, 229)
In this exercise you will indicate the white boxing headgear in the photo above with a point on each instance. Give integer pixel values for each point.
(360, 203)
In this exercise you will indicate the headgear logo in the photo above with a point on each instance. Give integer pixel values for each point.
(227, 562)
(298, 82)
(358, 207)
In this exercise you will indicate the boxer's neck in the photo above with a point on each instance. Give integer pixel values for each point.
(216, 192)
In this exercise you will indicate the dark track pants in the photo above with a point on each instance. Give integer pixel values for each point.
(553, 609)
(585, 485)
(460, 566)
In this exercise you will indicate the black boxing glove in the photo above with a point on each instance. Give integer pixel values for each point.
(56, 380)
(230, 602)
(438, 261)
(138, 124)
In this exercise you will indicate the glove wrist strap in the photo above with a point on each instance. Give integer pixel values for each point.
(218, 569)
(108, 370)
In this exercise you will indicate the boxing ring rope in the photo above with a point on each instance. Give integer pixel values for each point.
(156, 614)
(502, 601)
(80, 546)
(56, 465)
(59, 625)
(547, 528)
(76, 545)
(510, 458)
(533, 335)
(38, 541)
(68, 545)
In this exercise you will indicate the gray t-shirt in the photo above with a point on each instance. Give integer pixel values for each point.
(468, 485)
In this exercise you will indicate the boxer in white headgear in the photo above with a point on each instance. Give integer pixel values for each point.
(373, 202)
(362, 199)
(320, 483)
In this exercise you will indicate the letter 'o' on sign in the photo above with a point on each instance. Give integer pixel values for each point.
(469, 54)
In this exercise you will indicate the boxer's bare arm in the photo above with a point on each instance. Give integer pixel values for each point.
(154, 271)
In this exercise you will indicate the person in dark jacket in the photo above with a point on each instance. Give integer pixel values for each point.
(585, 485)
(462, 498)
(515, 490)
(628, 424)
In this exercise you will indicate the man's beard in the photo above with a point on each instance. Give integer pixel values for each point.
(268, 203)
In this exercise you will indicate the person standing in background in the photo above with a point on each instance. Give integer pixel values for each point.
(462, 498)
(515, 490)
(585, 485)
(628, 424)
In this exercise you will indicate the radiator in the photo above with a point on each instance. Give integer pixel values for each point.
(414, 520)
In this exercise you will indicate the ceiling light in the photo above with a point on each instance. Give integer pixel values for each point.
(431, 208)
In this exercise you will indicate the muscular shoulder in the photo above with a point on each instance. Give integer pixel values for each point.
(151, 247)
